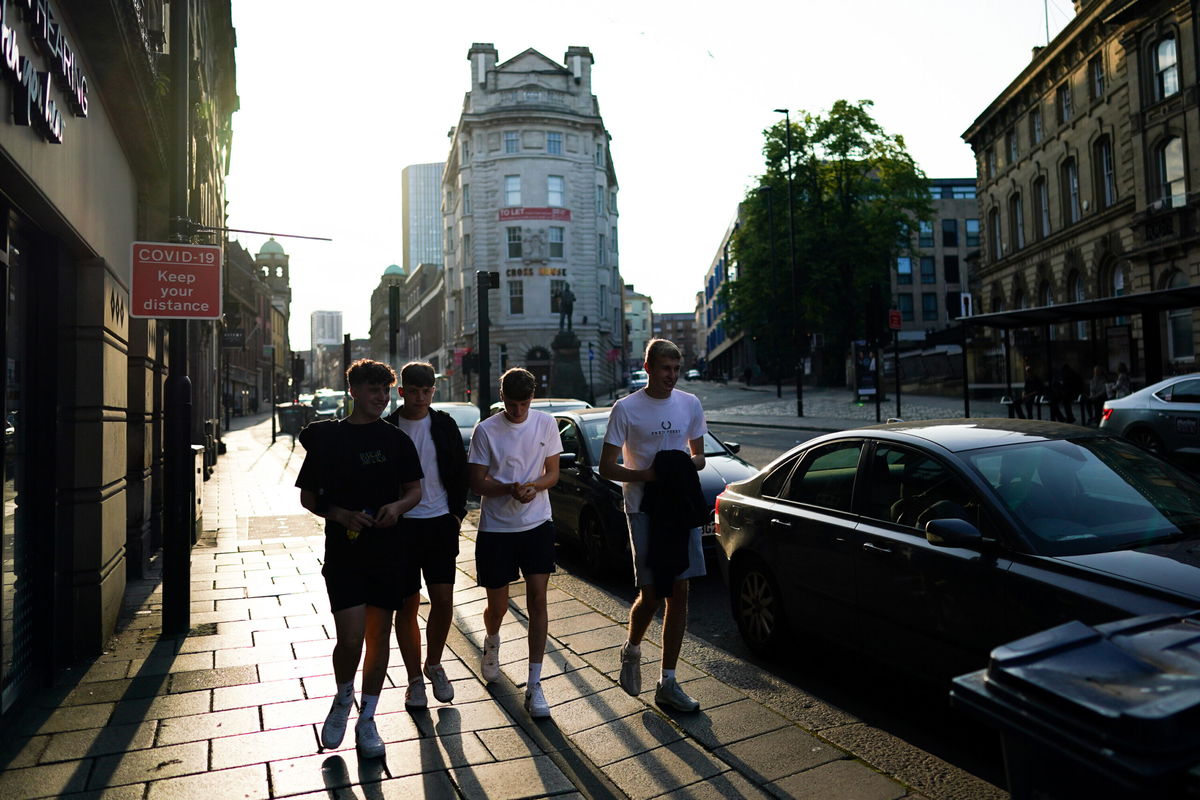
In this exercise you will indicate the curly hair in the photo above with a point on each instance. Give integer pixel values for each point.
(366, 370)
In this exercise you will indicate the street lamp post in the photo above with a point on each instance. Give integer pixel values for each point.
(796, 327)
(777, 356)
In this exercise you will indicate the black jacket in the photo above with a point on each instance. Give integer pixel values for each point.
(675, 504)
(451, 458)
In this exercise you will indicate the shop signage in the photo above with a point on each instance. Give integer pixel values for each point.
(558, 214)
(176, 281)
(34, 101)
(527, 272)
(895, 320)
(233, 337)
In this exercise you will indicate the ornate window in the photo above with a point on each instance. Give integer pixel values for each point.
(1166, 69)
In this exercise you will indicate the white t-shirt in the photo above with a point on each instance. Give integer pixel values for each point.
(514, 453)
(433, 493)
(642, 425)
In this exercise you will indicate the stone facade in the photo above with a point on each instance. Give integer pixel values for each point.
(529, 191)
(1088, 165)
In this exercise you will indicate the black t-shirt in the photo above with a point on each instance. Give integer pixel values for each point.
(357, 467)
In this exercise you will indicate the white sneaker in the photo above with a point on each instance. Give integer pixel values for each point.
(367, 739)
(535, 702)
(443, 689)
(671, 695)
(414, 695)
(490, 663)
(334, 729)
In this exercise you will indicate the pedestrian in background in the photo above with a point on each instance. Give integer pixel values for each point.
(1097, 393)
(361, 474)
(431, 528)
(1123, 386)
(512, 462)
(654, 419)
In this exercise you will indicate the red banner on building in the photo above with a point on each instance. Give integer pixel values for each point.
(556, 214)
(176, 281)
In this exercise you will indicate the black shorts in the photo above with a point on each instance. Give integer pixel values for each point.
(502, 557)
(433, 547)
(374, 572)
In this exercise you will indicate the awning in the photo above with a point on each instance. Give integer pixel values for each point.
(1101, 308)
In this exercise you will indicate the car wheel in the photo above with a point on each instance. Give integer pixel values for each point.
(594, 543)
(757, 607)
(1147, 440)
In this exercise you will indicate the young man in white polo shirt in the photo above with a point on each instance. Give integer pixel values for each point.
(512, 462)
(651, 419)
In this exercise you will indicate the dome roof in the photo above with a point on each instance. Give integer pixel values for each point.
(271, 247)
(394, 269)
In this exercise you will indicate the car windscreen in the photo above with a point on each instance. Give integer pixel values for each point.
(326, 402)
(594, 430)
(1090, 495)
(464, 416)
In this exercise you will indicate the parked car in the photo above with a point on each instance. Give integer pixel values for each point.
(465, 416)
(1164, 418)
(637, 380)
(927, 544)
(547, 404)
(328, 406)
(692, 375)
(588, 510)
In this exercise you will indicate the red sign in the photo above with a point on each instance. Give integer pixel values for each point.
(176, 281)
(557, 214)
(895, 321)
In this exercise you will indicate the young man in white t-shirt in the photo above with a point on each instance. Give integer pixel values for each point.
(651, 419)
(513, 461)
(431, 531)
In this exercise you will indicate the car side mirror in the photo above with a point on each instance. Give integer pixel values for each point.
(952, 532)
(567, 459)
(734, 447)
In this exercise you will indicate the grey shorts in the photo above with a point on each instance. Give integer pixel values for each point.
(639, 543)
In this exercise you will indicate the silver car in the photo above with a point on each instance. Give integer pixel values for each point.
(1163, 418)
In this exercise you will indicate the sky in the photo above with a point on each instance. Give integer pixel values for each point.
(335, 103)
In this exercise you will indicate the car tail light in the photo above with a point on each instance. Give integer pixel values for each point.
(717, 515)
(1104, 416)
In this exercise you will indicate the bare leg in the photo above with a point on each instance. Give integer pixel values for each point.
(349, 625)
(441, 609)
(408, 635)
(674, 624)
(378, 635)
(641, 613)
(497, 607)
(535, 601)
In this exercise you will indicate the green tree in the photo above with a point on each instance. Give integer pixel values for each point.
(857, 196)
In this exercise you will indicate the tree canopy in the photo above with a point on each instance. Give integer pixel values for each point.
(857, 196)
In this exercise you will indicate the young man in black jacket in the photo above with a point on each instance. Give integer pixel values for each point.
(432, 528)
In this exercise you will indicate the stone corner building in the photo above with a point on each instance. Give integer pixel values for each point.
(529, 190)
(1088, 165)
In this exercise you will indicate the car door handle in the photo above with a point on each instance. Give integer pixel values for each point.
(779, 523)
(874, 548)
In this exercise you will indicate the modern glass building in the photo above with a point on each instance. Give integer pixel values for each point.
(421, 203)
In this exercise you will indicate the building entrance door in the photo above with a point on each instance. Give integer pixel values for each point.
(537, 361)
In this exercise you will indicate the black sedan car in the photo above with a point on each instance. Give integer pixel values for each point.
(927, 544)
(588, 509)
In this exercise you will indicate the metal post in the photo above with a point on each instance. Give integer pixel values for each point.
(345, 373)
(485, 281)
(179, 484)
(896, 355)
(878, 362)
(966, 377)
(766, 190)
(393, 322)
(274, 390)
(797, 328)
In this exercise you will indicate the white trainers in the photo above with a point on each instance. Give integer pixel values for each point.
(631, 671)
(367, 739)
(671, 695)
(443, 689)
(334, 729)
(535, 702)
(414, 695)
(490, 663)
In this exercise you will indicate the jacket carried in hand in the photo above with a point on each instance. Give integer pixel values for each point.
(451, 458)
(674, 502)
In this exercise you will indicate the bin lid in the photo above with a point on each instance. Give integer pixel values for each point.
(1135, 683)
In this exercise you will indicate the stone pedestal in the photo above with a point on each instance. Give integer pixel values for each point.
(566, 375)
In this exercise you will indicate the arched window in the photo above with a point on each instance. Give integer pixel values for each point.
(994, 234)
(1166, 69)
(1181, 344)
(1069, 188)
(1041, 202)
(1172, 183)
(1046, 298)
(1019, 300)
(1078, 294)
(1117, 281)
(1106, 176)
(1016, 222)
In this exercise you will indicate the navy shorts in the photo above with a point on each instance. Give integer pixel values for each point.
(375, 571)
(502, 557)
(433, 547)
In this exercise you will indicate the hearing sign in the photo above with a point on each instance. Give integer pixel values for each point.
(176, 281)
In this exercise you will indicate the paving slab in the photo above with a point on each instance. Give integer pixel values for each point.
(775, 755)
(242, 782)
(146, 765)
(264, 746)
(629, 736)
(508, 780)
(76, 745)
(846, 780)
(664, 769)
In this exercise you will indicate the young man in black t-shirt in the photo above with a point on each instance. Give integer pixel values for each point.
(361, 474)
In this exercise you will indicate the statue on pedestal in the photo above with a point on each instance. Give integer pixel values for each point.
(566, 307)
